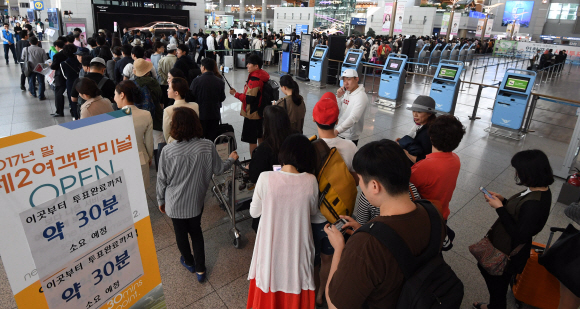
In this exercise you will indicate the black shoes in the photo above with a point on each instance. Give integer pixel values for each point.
(57, 115)
(42, 98)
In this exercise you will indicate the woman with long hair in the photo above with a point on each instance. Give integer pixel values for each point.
(293, 103)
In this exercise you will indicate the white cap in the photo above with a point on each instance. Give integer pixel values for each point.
(171, 47)
(348, 73)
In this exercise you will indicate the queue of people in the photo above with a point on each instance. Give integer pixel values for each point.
(300, 258)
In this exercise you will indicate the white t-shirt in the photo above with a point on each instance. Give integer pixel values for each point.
(346, 149)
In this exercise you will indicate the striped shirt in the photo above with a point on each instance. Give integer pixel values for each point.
(185, 171)
(365, 211)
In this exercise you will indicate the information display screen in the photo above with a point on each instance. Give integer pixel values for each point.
(318, 53)
(351, 58)
(517, 83)
(447, 72)
(285, 47)
(394, 64)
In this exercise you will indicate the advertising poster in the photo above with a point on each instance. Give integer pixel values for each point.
(30, 14)
(488, 27)
(387, 16)
(70, 27)
(455, 24)
(504, 46)
(62, 190)
(479, 29)
(520, 11)
(531, 48)
(53, 18)
(399, 17)
(445, 23)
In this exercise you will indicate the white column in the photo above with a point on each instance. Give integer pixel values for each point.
(242, 10)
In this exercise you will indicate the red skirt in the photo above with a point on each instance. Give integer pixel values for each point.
(257, 299)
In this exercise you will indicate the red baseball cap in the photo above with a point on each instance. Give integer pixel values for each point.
(326, 110)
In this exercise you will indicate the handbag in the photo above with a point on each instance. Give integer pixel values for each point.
(490, 258)
(562, 259)
(27, 66)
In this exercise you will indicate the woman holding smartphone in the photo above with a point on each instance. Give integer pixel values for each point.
(520, 218)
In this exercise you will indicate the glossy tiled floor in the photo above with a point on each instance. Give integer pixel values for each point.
(485, 161)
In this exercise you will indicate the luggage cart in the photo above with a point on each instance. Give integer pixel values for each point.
(232, 189)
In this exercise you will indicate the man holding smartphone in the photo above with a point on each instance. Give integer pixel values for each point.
(353, 105)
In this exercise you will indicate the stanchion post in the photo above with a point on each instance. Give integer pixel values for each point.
(477, 97)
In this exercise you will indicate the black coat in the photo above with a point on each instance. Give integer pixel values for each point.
(208, 91)
(188, 67)
(422, 143)
(56, 61)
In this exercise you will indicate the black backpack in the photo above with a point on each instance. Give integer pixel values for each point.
(269, 93)
(429, 281)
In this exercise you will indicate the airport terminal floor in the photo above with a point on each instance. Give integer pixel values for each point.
(485, 161)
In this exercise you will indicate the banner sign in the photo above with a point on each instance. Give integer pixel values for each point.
(455, 24)
(74, 205)
(399, 17)
(488, 27)
(479, 30)
(387, 16)
(531, 48)
(445, 23)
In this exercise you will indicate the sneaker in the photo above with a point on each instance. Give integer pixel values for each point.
(190, 268)
(200, 277)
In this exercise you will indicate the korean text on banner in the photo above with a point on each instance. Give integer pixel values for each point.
(387, 17)
(399, 17)
(445, 23)
(84, 244)
(479, 29)
(455, 24)
(41, 165)
(488, 27)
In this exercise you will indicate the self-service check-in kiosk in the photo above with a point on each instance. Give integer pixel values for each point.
(286, 57)
(393, 78)
(454, 54)
(445, 85)
(512, 99)
(319, 65)
(435, 55)
(353, 60)
(445, 52)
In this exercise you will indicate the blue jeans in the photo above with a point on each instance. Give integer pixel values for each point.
(39, 36)
(40, 78)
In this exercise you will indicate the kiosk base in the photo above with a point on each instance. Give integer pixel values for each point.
(315, 84)
(505, 132)
(388, 104)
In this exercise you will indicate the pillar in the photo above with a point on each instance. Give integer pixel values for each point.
(242, 10)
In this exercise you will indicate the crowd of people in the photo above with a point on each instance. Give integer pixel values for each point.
(300, 258)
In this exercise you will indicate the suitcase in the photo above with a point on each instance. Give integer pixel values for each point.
(241, 60)
(535, 286)
(229, 61)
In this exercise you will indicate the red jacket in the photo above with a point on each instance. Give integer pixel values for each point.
(252, 95)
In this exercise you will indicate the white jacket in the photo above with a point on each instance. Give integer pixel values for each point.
(352, 111)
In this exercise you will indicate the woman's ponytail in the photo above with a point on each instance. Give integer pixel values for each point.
(296, 98)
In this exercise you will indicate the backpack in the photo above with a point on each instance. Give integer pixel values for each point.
(336, 186)
(81, 101)
(147, 103)
(269, 93)
(429, 281)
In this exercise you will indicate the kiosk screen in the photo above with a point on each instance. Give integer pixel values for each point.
(318, 53)
(285, 47)
(351, 58)
(517, 83)
(447, 72)
(394, 64)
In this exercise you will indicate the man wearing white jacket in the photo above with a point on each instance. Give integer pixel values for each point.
(352, 107)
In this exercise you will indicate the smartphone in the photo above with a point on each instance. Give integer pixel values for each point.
(482, 189)
(276, 167)
(339, 224)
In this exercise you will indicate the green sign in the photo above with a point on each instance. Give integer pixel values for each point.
(447, 73)
(517, 84)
